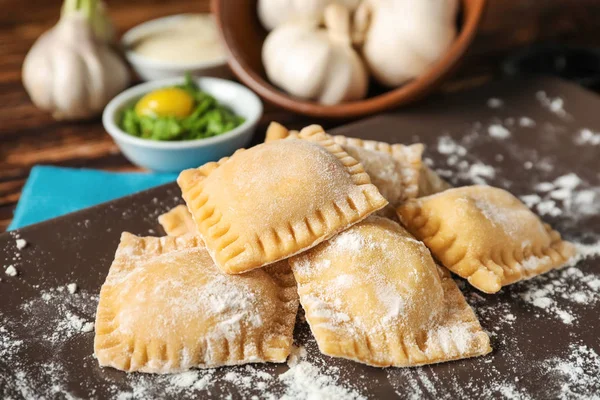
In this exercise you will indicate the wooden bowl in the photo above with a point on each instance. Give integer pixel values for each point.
(244, 35)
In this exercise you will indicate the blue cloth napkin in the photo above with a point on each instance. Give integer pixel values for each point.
(53, 191)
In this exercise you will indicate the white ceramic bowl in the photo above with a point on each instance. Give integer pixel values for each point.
(175, 156)
(149, 69)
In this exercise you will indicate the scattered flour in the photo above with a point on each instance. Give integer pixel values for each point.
(544, 186)
(305, 380)
(21, 244)
(72, 288)
(578, 373)
(51, 320)
(478, 171)
(494, 102)
(558, 291)
(568, 181)
(69, 314)
(587, 137)
(71, 325)
(554, 104)
(420, 383)
(498, 131)
(11, 271)
(548, 207)
(9, 346)
(531, 200)
(464, 168)
(190, 384)
(526, 122)
(446, 145)
(567, 195)
(539, 298)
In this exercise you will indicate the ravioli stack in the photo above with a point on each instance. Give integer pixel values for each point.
(361, 233)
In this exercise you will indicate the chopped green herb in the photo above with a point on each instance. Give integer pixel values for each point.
(208, 118)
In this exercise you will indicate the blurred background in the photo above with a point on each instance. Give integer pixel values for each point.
(514, 35)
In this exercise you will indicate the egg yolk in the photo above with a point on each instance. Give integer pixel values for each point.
(168, 102)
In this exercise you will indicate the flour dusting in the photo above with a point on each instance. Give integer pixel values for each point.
(11, 271)
(578, 372)
(526, 122)
(306, 380)
(498, 131)
(494, 102)
(567, 195)
(587, 137)
(555, 105)
(50, 322)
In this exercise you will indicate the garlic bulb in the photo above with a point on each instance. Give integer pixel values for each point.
(314, 63)
(404, 38)
(273, 13)
(70, 71)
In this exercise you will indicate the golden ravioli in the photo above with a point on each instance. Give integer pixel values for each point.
(373, 294)
(276, 199)
(165, 307)
(486, 235)
(178, 221)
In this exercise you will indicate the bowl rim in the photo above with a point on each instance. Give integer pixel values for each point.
(412, 90)
(134, 58)
(115, 105)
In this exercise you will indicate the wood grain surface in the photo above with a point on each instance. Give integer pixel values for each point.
(28, 136)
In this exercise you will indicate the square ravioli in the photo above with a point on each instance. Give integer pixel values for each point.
(276, 200)
(374, 294)
(165, 307)
(178, 221)
(486, 235)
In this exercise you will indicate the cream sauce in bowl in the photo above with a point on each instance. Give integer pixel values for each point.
(188, 39)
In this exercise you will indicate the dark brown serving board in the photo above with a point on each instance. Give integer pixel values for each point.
(538, 344)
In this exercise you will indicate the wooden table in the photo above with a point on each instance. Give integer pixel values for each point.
(28, 136)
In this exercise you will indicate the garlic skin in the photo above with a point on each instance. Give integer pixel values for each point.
(102, 25)
(273, 13)
(72, 73)
(314, 63)
(405, 38)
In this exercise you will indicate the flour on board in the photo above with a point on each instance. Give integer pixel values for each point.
(494, 102)
(11, 271)
(586, 137)
(498, 131)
